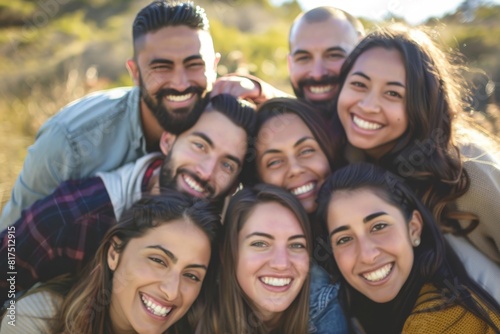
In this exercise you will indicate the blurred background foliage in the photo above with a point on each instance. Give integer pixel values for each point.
(55, 51)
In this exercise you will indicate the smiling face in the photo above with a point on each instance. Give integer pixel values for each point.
(175, 66)
(371, 242)
(288, 156)
(317, 52)
(205, 161)
(371, 105)
(157, 277)
(273, 261)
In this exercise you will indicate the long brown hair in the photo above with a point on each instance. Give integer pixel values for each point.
(232, 312)
(86, 307)
(425, 154)
(434, 262)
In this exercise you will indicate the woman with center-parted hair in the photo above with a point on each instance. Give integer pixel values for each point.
(295, 150)
(399, 275)
(148, 276)
(264, 273)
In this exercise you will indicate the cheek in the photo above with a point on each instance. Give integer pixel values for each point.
(301, 262)
(345, 261)
(190, 292)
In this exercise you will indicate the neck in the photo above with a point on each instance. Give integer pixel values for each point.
(151, 128)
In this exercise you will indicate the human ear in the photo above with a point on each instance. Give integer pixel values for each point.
(415, 226)
(113, 254)
(133, 70)
(166, 142)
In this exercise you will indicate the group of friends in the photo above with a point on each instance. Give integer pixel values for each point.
(195, 204)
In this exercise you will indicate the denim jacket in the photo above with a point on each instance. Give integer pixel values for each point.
(100, 132)
(325, 313)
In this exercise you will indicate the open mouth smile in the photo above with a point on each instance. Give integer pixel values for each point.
(379, 274)
(153, 307)
(365, 125)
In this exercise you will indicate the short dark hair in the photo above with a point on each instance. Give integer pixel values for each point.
(240, 112)
(161, 13)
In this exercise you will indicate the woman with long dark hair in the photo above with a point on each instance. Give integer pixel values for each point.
(148, 275)
(398, 273)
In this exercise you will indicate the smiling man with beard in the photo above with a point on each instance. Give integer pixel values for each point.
(61, 232)
(320, 40)
(173, 68)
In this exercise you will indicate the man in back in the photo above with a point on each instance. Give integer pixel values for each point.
(320, 40)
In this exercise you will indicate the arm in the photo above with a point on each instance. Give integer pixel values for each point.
(49, 161)
(247, 87)
(482, 199)
(57, 234)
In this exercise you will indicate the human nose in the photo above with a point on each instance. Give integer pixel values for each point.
(369, 103)
(180, 81)
(206, 168)
(280, 258)
(368, 250)
(295, 167)
(318, 69)
(170, 286)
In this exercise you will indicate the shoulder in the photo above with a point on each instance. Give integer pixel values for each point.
(431, 316)
(99, 106)
(33, 313)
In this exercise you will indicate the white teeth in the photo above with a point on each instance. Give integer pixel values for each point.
(193, 184)
(320, 89)
(274, 281)
(156, 309)
(179, 98)
(302, 189)
(378, 274)
(365, 124)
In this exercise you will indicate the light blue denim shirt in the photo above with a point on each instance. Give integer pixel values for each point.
(325, 314)
(100, 132)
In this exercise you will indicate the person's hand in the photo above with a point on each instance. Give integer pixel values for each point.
(237, 86)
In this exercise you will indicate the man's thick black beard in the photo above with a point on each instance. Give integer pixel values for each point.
(179, 120)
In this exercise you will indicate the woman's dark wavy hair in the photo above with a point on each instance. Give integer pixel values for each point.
(233, 312)
(434, 262)
(86, 307)
(312, 119)
(425, 154)
(163, 13)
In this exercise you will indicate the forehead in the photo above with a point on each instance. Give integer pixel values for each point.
(175, 43)
(345, 208)
(172, 236)
(224, 134)
(319, 36)
(271, 218)
(282, 130)
(383, 63)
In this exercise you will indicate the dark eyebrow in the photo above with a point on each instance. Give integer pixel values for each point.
(393, 83)
(161, 61)
(168, 253)
(201, 266)
(338, 229)
(211, 144)
(301, 140)
(333, 48)
(365, 220)
(260, 234)
(174, 259)
(268, 236)
(297, 143)
(170, 62)
(190, 58)
(373, 216)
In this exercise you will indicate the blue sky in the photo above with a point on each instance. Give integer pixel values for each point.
(414, 11)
